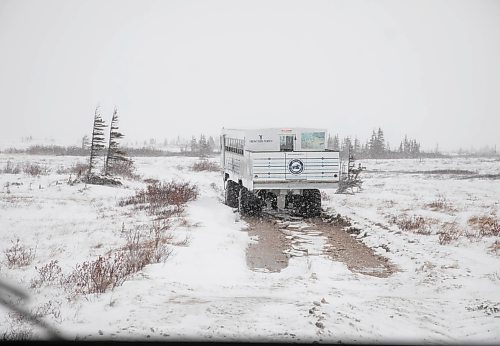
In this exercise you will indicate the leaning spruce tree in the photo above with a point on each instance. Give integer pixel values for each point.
(115, 154)
(97, 141)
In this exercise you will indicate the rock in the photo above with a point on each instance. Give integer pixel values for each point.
(316, 303)
(320, 325)
(323, 300)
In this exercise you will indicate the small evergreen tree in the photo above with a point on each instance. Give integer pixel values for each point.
(211, 144)
(115, 154)
(194, 145)
(203, 145)
(97, 141)
(336, 144)
(85, 142)
(357, 147)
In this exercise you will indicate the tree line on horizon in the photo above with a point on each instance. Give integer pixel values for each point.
(376, 147)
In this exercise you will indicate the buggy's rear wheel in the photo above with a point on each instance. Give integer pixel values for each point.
(308, 204)
(231, 194)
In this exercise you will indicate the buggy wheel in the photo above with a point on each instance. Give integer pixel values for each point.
(308, 204)
(313, 202)
(231, 194)
(248, 203)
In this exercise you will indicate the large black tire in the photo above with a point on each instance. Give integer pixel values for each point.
(231, 194)
(313, 202)
(307, 205)
(248, 203)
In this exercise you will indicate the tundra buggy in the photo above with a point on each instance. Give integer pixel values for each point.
(281, 168)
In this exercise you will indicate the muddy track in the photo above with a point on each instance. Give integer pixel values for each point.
(280, 239)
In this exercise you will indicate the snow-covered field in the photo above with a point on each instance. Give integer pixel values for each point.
(446, 292)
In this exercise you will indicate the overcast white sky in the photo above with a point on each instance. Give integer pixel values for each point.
(430, 69)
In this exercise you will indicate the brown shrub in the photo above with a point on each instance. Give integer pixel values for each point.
(10, 168)
(79, 169)
(98, 275)
(440, 204)
(185, 242)
(18, 255)
(486, 225)
(450, 232)
(205, 165)
(158, 195)
(111, 270)
(48, 273)
(416, 224)
(495, 247)
(35, 169)
(124, 168)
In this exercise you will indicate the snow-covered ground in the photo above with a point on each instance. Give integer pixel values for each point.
(205, 291)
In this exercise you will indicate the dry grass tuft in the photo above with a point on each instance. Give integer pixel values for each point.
(487, 225)
(205, 165)
(10, 168)
(451, 231)
(19, 255)
(325, 196)
(156, 196)
(111, 270)
(78, 168)
(35, 169)
(185, 242)
(49, 273)
(440, 204)
(416, 224)
(495, 247)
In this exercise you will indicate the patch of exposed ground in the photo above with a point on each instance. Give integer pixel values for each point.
(274, 246)
(359, 258)
(268, 252)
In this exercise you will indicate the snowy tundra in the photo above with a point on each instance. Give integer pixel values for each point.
(433, 219)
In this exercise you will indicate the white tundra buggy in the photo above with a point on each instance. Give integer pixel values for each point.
(278, 168)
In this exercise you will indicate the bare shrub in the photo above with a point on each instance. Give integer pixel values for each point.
(414, 223)
(111, 270)
(157, 195)
(205, 165)
(440, 204)
(50, 308)
(79, 169)
(124, 168)
(10, 168)
(98, 275)
(151, 181)
(18, 255)
(35, 169)
(19, 329)
(49, 273)
(339, 220)
(495, 247)
(325, 196)
(450, 232)
(185, 242)
(486, 225)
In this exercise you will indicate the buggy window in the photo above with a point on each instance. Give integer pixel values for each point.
(286, 142)
(313, 140)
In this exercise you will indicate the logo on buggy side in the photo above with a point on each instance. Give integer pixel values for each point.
(296, 166)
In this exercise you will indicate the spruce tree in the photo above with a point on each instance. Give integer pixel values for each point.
(194, 145)
(336, 144)
(211, 144)
(115, 154)
(97, 141)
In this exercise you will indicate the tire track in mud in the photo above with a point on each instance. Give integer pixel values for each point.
(276, 240)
